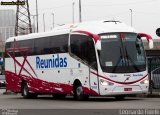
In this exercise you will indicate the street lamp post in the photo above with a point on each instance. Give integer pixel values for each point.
(34, 23)
(43, 22)
(53, 19)
(80, 12)
(37, 15)
(131, 17)
(73, 12)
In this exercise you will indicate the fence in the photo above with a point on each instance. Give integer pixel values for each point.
(154, 72)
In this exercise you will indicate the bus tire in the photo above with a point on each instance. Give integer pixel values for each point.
(79, 94)
(59, 96)
(26, 94)
(120, 97)
(25, 91)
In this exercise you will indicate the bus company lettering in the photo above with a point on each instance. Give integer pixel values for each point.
(51, 62)
(136, 75)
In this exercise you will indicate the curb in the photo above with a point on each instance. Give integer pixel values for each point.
(9, 93)
(154, 95)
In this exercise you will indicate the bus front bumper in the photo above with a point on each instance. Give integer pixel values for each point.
(125, 90)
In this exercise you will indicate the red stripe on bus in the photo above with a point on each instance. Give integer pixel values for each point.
(124, 83)
(148, 37)
(17, 48)
(40, 86)
(94, 36)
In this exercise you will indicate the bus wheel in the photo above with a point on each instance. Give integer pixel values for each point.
(59, 96)
(120, 97)
(25, 92)
(78, 93)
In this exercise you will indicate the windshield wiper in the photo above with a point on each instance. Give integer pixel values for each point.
(125, 60)
(120, 60)
(129, 59)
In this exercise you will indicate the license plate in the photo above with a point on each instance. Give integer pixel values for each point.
(127, 89)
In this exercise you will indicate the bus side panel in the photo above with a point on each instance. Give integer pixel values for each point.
(58, 79)
(80, 71)
(35, 85)
(94, 83)
(39, 79)
(12, 82)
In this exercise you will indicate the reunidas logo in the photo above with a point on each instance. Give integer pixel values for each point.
(53, 62)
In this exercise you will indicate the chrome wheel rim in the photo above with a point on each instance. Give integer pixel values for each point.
(25, 91)
(79, 90)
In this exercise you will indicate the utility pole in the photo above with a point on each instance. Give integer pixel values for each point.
(37, 15)
(1, 46)
(131, 17)
(80, 15)
(23, 21)
(53, 20)
(73, 12)
(34, 27)
(44, 23)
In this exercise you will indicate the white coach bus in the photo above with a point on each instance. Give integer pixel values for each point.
(99, 58)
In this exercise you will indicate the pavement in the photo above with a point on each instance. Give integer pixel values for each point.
(2, 90)
(153, 95)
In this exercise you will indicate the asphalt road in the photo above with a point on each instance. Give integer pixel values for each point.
(46, 105)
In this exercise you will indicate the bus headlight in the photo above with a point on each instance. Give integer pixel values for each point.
(146, 81)
(103, 82)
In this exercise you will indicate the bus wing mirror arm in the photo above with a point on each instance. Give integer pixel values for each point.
(149, 39)
(151, 45)
(98, 45)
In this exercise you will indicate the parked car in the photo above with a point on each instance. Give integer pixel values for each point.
(2, 81)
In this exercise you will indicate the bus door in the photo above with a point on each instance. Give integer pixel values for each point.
(93, 77)
(94, 84)
(83, 49)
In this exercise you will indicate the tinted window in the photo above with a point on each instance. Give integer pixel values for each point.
(122, 53)
(51, 44)
(59, 44)
(8, 45)
(83, 47)
(40, 46)
(20, 45)
(26, 44)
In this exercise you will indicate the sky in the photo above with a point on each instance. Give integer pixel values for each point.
(145, 13)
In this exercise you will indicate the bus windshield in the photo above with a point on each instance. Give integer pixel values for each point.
(122, 53)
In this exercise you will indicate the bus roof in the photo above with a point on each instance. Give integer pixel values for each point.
(96, 27)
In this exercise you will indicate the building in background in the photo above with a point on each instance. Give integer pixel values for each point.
(7, 29)
(152, 52)
(7, 24)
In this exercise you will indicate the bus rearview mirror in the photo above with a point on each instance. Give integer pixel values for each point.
(149, 39)
(98, 45)
(151, 44)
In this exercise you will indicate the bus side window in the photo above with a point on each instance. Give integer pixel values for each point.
(21, 44)
(91, 54)
(8, 45)
(42, 46)
(59, 43)
(83, 47)
(27, 44)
